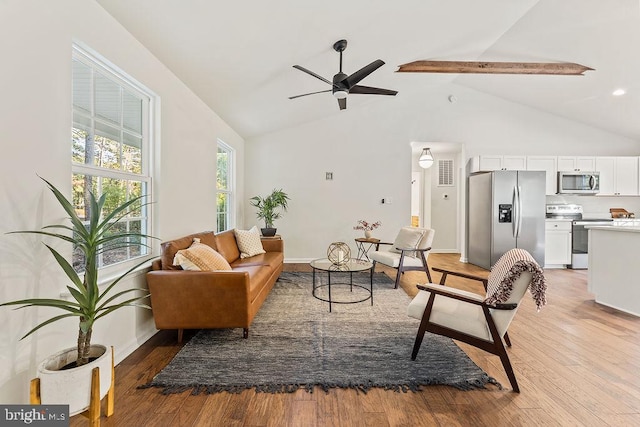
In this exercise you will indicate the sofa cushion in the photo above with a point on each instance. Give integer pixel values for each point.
(249, 242)
(200, 257)
(271, 259)
(258, 277)
(227, 246)
(170, 248)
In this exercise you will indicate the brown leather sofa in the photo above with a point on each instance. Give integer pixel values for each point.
(212, 299)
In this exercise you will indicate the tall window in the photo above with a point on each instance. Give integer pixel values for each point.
(224, 185)
(110, 147)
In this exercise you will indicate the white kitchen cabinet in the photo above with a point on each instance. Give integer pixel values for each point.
(627, 176)
(549, 165)
(618, 176)
(573, 163)
(497, 162)
(557, 248)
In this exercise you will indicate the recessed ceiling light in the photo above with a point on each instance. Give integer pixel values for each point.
(619, 92)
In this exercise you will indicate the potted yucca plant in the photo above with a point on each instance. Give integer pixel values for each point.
(97, 235)
(268, 209)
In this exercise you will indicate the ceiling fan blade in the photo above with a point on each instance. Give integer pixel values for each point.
(342, 102)
(310, 93)
(363, 72)
(480, 67)
(372, 90)
(312, 74)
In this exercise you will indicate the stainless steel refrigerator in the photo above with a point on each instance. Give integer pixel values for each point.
(506, 210)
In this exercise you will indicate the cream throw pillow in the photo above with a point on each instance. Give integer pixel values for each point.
(200, 257)
(249, 242)
(408, 238)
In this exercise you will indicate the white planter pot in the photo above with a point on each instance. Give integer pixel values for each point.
(73, 386)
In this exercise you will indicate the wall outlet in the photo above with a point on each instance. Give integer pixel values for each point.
(328, 176)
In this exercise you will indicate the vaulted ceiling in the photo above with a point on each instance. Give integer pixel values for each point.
(238, 56)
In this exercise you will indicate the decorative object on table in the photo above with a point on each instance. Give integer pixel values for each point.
(338, 253)
(363, 347)
(94, 237)
(268, 209)
(368, 227)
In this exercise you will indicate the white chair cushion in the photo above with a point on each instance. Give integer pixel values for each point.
(408, 238)
(392, 259)
(451, 313)
(459, 315)
(427, 239)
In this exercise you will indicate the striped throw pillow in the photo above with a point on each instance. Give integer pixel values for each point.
(200, 257)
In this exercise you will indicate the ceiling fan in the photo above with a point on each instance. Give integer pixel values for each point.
(343, 84)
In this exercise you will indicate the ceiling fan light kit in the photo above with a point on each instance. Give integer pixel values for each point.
(343, 84)
(485, 67)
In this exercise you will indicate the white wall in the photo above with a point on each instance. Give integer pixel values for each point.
(368, 149)
(35, 119)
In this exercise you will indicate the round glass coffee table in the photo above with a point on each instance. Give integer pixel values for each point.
(351, 266)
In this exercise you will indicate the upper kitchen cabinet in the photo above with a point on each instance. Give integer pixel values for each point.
(549, 165)
(496, 163)
(572, 163)
(618, 176)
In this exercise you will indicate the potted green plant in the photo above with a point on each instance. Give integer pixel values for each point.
(87, 301)
(268, 209)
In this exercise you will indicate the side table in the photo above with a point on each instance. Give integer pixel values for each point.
(364, 245)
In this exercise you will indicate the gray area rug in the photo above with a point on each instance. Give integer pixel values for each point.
(295, 343)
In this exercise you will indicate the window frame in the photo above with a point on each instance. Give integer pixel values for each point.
(149, 112)
(230, 191)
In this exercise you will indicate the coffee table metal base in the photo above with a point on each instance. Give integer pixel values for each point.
(351, 285)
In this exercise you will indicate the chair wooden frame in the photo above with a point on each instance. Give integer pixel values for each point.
(402, 268)
(495, 346)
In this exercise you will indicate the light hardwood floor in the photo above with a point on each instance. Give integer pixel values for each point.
(577, 364)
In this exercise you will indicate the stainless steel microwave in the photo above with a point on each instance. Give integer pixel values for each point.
(578, 182)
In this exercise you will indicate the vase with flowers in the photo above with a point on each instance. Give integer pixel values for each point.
(367, 226)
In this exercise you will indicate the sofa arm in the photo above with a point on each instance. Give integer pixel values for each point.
(273, 245)
(199, 299)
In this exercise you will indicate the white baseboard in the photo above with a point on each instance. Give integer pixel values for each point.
(124, 351)
(298, 260)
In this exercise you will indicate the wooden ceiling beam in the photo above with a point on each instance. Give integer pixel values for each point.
(484, 67)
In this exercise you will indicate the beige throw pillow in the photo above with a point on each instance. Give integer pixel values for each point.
(408, 238)
(249, 242)
(200, 257)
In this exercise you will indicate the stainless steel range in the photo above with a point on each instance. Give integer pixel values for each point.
(580, 224)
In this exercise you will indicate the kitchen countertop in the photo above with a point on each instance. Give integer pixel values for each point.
(623, 228)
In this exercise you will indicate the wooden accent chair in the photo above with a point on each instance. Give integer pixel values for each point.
(481, 321)
(409, 251)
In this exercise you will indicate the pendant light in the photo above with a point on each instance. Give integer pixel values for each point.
(426, 158)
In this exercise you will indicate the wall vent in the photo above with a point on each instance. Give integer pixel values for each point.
(445, 173)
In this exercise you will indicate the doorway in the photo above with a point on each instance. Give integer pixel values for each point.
(436, 194)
